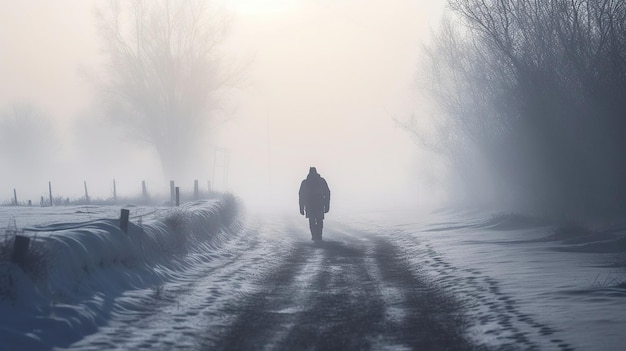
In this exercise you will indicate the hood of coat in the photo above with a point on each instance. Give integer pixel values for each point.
(313, 173)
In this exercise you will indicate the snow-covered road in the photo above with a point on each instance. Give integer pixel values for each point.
(391, 281)
(364, 287)
(272, 288)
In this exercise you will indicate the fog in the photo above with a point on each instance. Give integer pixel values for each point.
(531, 99)
(316, 83)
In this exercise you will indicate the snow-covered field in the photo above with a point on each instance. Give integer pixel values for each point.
(192, 278)
(520, 282)
(83, 270)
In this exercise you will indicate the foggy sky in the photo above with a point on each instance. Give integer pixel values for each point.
(318, 86)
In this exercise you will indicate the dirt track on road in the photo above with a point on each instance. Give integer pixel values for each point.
(363, 288)
(347, 293)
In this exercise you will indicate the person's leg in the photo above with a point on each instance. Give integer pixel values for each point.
(312, 226)
(318, 228)
(316, 231)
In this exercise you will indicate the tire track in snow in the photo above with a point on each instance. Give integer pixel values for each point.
(175, 315)
(263, 318)
(271, 288)
(354, 293)
(496, 320)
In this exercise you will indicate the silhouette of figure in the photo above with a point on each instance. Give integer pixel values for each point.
(314, 200)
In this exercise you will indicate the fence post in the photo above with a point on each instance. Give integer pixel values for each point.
(177, 196)
(172, 192)
(196, 192)
(124, 215)
(50, 191)
(20, 249)
(144, 190)
(86, 193)
(15, 197)
(114, 191)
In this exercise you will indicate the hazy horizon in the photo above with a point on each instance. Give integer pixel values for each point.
(318, 84)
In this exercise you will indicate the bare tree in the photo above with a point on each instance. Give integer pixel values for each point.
(163, 74)
(539, 89)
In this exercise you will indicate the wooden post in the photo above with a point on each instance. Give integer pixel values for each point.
(114, 191)
(172, 192)
(86, 193)
(177, 196)
(124, 215)
(14, 197)
(144, 191)
(50, 191)
(196, 191)
(20, 249)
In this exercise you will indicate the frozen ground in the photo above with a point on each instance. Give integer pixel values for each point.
(396, 281)
(522, 286)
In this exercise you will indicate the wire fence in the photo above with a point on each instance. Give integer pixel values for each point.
(144, 198)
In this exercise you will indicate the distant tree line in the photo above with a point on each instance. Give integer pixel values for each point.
(538, 90)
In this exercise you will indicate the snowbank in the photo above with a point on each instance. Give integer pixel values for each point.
(76, 274)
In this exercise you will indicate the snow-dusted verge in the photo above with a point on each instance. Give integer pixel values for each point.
(76, 273)
(527, 283)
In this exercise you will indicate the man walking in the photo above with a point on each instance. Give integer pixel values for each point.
(314, 201)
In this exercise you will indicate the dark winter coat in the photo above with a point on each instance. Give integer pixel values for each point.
(314, 196)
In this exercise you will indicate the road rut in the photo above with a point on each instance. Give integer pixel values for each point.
(353, 291)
